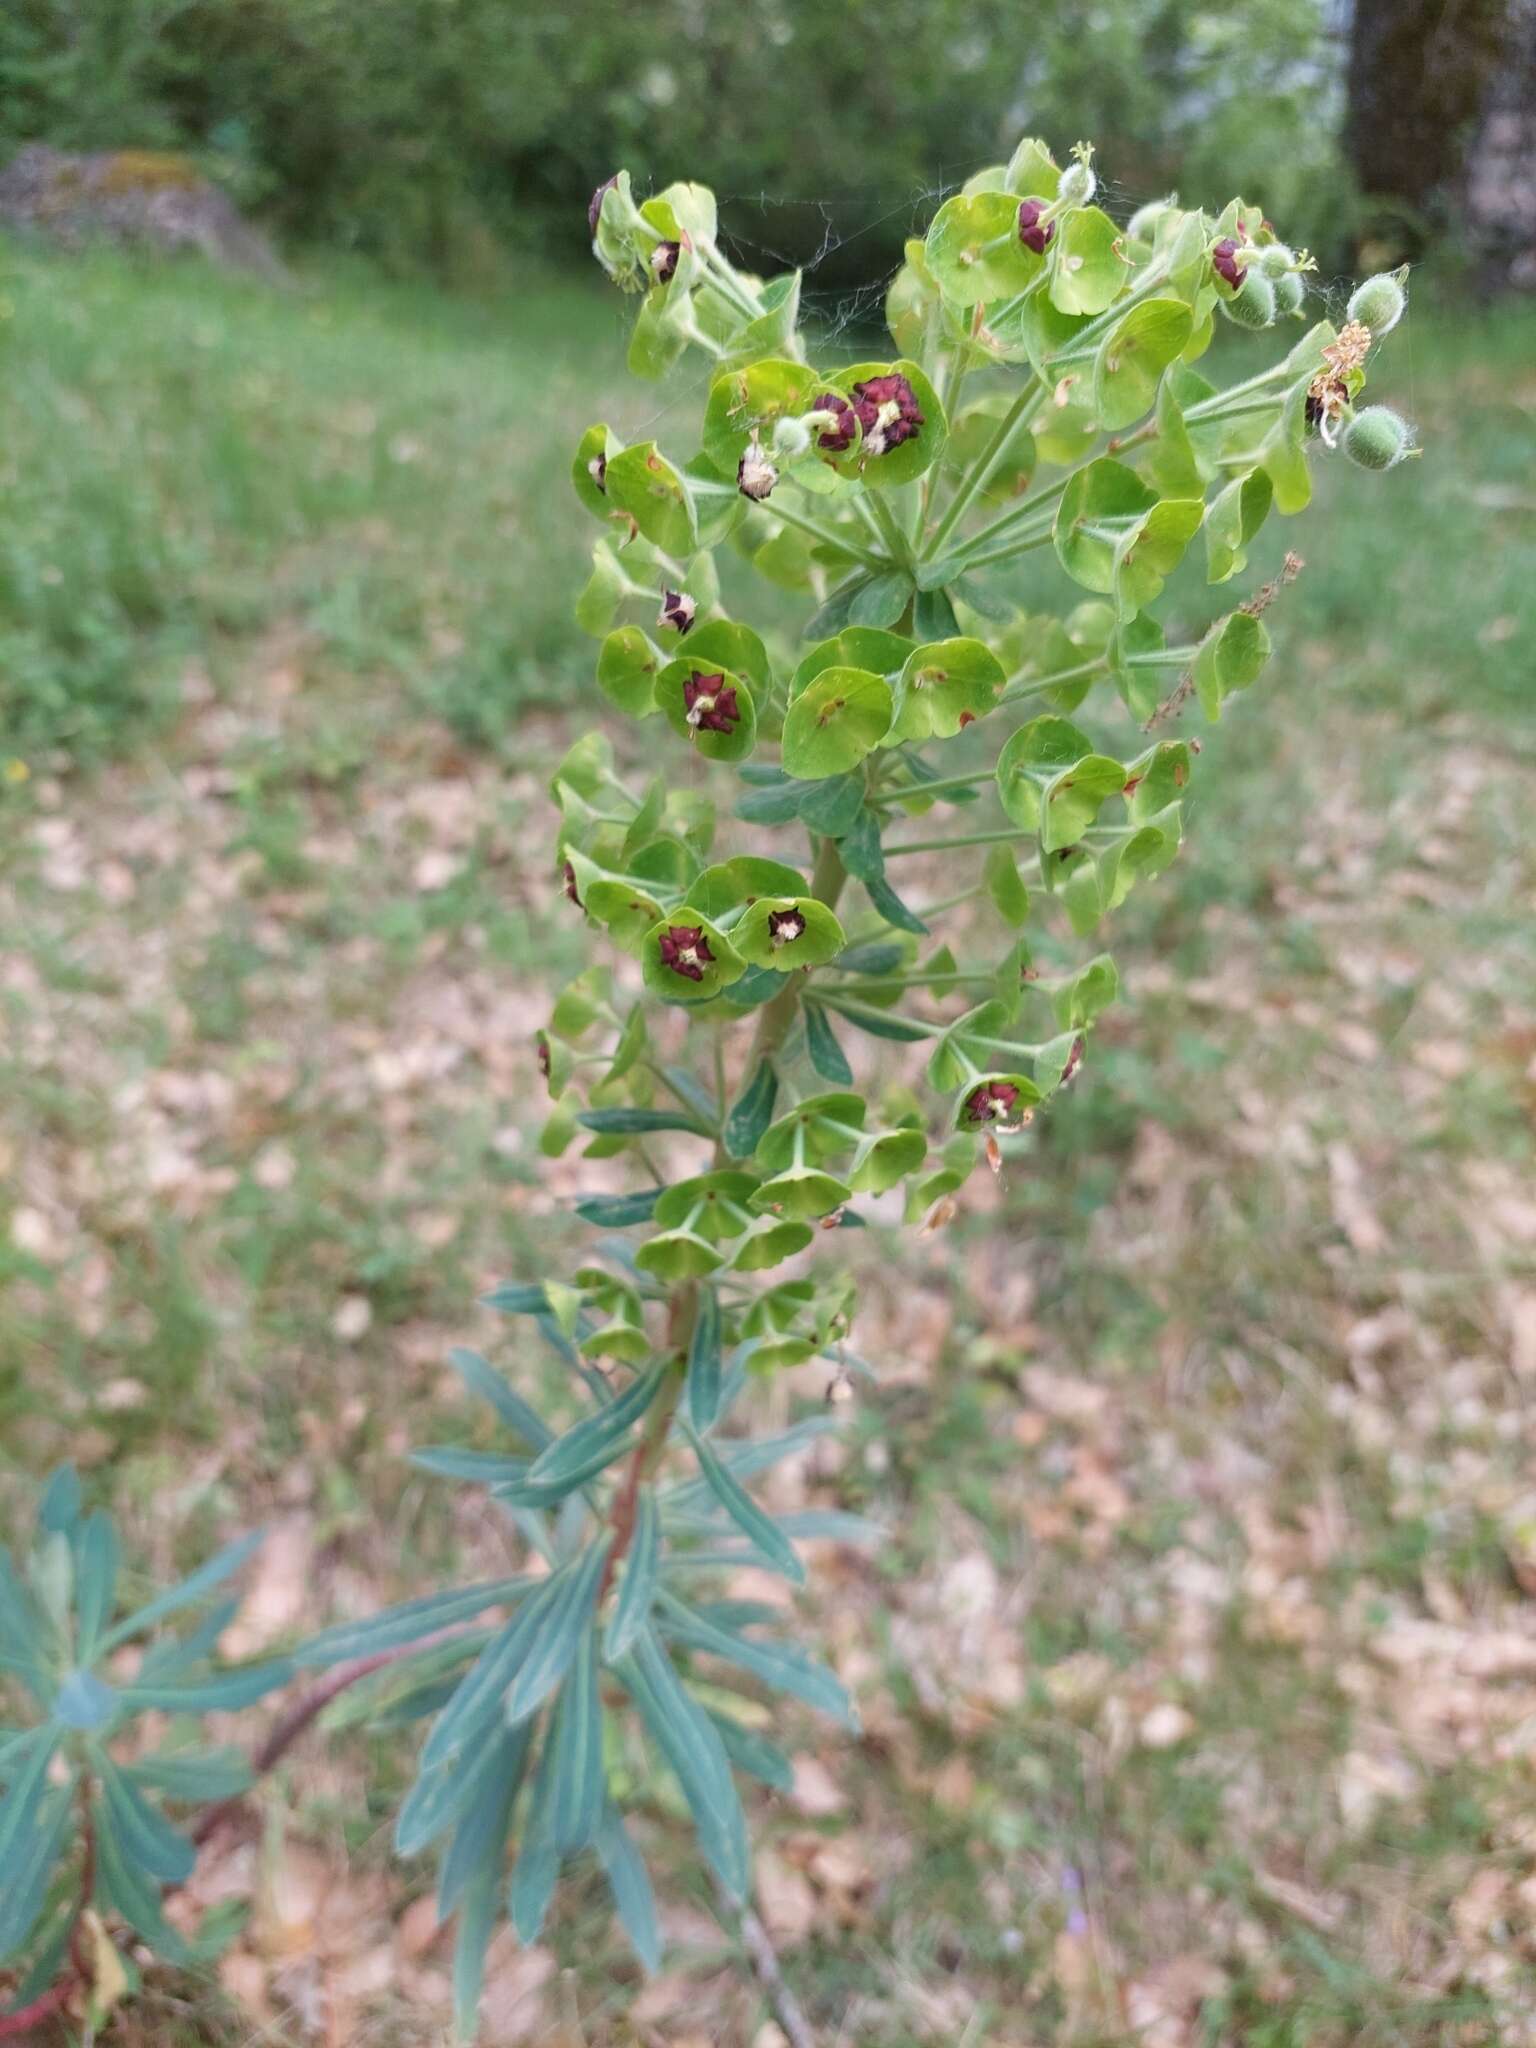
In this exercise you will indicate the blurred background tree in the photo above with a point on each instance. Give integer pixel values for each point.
(444, 132)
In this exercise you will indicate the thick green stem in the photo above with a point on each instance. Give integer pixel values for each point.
(979, 475)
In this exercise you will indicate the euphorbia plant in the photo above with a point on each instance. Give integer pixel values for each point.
(977, 524)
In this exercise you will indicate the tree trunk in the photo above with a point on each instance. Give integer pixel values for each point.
(1421, 76)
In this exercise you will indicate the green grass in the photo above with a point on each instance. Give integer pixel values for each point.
(275, 944)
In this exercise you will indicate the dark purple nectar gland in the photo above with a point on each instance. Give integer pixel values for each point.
(1033, 232)
(845, 422)
(784, 927)
(544, 1058)
(570, 885)
(685, 950)
(1225, 264)
(663, 261)
(597, 469)
(888, 412)
(596, 206)
(990, 1102)
(678, 610)
(710, 702)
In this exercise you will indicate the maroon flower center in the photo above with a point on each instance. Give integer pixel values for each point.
(990, 1101)
(845, 421)
(598, 196)
(685, 950)
(664, 261)
(888, 412)
(544, 1057)
(1225, 264)
(710, 702)
(1034, 233)
(597, 469)
(678, 610)
(785, 926)
(570, 885)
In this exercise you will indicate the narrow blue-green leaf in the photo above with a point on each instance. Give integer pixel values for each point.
(482, 1378)
(121, 1885)
(625, 1122)
(173, 1655)
(147, 1837)
(631, 1887)
(21, 1641)
(95, 1580)
(832, 1525)
(406, 1623)
(479, 1843)
(480, 1468)
(823, 1050)
(59, 1509)
(754, 1522)
(193, 1775)
(704, 1362)
(617, 1212)
(532, 1888)
(220, 1694)
(755, 1454)
(575, 1747)
(772, 806)
(879, 956)
(638, 1579)
(831, 806)
(891, 907)
(783, 1666)
(752, 1112)
(515, 1300)
(691, 1745)
(29, 1867)
(598, 1436)
(556, 1633)
(879, 1023)
(23, 1824)
(754, 1754)
(201, 1582)
(472, 1937)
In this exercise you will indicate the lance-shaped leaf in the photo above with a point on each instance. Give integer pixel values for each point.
(1051, 780)
(531, 1653)
(193, 1777)
(470, 1877)
(1230, 657)
(123, 1886)
(691, 1745)
(596, 1441)
(641, 482)
(31, 1866)
(759, 1528)
(1283, 454)
(631, 1888)
(713, 707)
(944, 686)
(222, 1565)
(407, 1623)
(973, 248)
(781, 1666)
(835, 721)
(823, 1050)
(155, 1847)
(573, 1757)
(752, 1111)
(1000, 871)
(785, 932)
(639, 1576)
(482, 1378)
(1133, 356)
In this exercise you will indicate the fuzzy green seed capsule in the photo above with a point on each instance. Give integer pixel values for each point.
(1275, 260)
(1144, 221)
(1377, 438)
(1290, 294)
(1254, 304)
(1078, 185)
(1379, 303)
